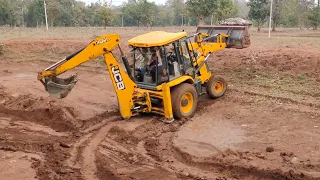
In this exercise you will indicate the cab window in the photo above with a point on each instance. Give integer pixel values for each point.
(150, 66)
(185, 57)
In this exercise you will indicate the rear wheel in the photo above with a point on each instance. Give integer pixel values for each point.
(184, 99)
(216, 87)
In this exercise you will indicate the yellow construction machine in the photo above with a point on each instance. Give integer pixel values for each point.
(165, 75)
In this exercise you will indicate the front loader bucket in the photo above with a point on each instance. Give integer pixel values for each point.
(238, 35)
(59, 87)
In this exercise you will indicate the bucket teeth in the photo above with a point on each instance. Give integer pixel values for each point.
(59, 87)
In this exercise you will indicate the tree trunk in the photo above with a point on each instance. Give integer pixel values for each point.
(259, 27)
(201, 21)
(318, 15)
(274, 26)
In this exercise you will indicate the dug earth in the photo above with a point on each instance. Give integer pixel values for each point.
(265, 127)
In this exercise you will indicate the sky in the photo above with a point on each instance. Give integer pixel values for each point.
(119, 2)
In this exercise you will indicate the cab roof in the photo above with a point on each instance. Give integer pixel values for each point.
(155, 38)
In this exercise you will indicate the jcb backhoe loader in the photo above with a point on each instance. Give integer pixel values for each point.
(167, 73)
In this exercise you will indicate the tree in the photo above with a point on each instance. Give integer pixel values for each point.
(277, 8)
(314, 16)
(6, 12)
(258, 11)
(288, 13)
(131, 14)
(53, 11)
(35, 15)
(164, 16)
(105, 15)
(226, 9)
(178, 8)
(219, 9)
(146, 12)
(201, 9)
(140, 13)
(243, 9)
(81, 15)
(303, 12)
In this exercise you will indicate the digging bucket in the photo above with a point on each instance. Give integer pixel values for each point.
(60, 87)
(238, 35)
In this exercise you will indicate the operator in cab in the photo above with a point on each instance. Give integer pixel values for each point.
(142, 60)
(146, 62)
(152, 63)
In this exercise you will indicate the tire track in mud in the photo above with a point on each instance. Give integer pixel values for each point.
(156, 147)
(83, 154)
(89, 159)
(175, 160)
(168, 161)
(51, 129)
(240, 170)
(127, 157)
(148, 145)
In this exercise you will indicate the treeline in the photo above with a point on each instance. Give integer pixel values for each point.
(31, 13)
(286, 13)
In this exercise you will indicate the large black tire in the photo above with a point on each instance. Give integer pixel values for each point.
(216, 87)
(184, 99)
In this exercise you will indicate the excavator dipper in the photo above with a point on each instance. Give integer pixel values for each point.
(168, 83)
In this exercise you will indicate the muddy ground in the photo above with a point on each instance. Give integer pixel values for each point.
(267, 126)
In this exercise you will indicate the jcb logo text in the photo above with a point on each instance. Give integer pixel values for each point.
(118, 78)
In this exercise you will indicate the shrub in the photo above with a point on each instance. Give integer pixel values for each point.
(2, 48)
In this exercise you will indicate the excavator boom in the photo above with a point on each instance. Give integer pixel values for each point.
(96, 48)
(123, 85)
(59, 87)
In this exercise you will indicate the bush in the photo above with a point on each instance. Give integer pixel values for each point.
(2, 48)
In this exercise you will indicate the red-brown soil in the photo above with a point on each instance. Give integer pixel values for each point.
(272, 102)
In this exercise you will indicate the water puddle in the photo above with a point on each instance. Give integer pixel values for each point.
(207, 136)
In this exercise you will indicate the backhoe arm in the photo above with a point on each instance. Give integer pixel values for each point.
(122, 83)
(96, 48)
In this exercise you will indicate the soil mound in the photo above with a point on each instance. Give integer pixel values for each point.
(44, 111)
(286, 60)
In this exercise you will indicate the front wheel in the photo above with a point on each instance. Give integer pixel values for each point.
(184, 99)
(216, 87)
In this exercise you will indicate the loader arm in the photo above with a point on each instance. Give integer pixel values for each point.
(103, 45)
(204, 50)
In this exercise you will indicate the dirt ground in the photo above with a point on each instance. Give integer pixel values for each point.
(267, 126)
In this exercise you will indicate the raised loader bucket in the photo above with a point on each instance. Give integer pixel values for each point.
(59, 87)
(238, 35)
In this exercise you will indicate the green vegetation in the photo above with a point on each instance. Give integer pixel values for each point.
(286, 13)
(2, 49)
(258, 11)
(75, 13)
